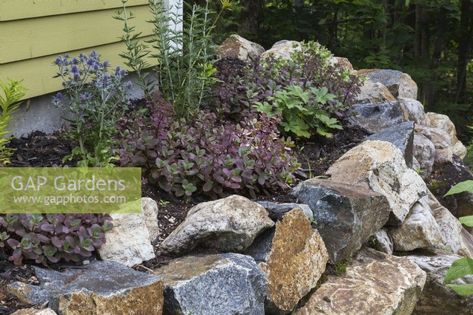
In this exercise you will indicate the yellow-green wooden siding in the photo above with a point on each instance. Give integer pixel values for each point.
(34, 32)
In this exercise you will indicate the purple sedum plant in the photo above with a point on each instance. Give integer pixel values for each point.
(209, 156)
(52, 238)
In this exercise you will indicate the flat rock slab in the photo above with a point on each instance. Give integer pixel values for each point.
(296, 261)
(437, 298)
(376, 117)
(229, 225)
(402, 136)
(345, 215)
(103, 287)
(375, 283)
(381, 166)
(213, 284)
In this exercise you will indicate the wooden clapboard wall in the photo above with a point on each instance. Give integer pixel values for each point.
(34, 32)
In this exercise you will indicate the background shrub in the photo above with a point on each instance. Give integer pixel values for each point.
(51, 238)
(310, 67)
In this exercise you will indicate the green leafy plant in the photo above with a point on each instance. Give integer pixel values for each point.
(464, 266)
(301, 111)
(12, 93)
(459, 269)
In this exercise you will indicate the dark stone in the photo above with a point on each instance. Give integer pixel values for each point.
(345, 215)
(277, 210)
(261, 247)
(213, 284)
(402, 136)
(444, 177)
(376, 117)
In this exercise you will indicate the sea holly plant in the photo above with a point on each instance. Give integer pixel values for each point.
(52, 238)
(96, 97)
(302, 111)
(464, 266)
(10, 95)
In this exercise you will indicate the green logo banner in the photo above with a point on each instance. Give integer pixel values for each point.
(70, 190)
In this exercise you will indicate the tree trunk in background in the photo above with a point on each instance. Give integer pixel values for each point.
(422, 34)
(464, 48)
(250, 18)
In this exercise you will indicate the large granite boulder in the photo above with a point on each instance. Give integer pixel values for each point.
(345, 215)
(437, 298)
(295, 260)
(444, 123)
(237, 47)
(374, 93)
(376, 117)
(418, 231)
(374, 283)
(229, 224)
(400, 84)
(129, 242)
(103, 287)
(402, 136)
(413, 110)
(380, 166)
(223, 284)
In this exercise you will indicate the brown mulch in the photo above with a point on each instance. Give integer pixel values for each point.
(41, 150)
(317, 155)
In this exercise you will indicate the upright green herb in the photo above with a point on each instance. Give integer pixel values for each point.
(136, 51)
(184, 56)
(12, 93)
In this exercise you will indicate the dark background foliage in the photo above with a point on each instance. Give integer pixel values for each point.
(429, 39)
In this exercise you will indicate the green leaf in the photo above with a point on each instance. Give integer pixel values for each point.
(462, 289)
(466, 186)
(459, 269)
(467, 221)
